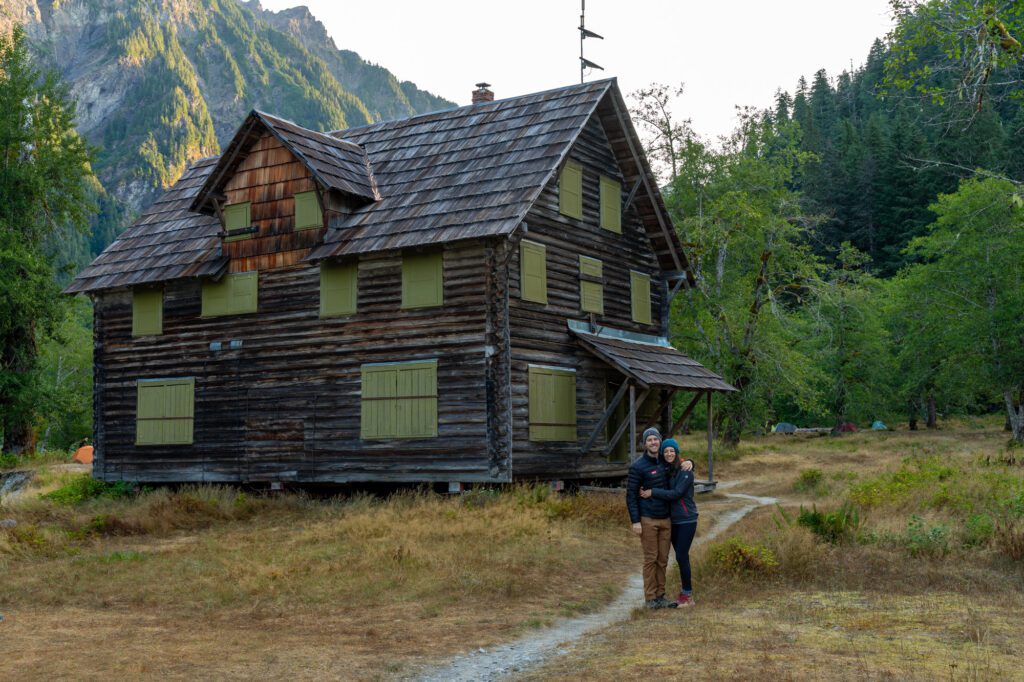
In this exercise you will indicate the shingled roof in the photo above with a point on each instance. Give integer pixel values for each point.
(168, 241)
(462, 173)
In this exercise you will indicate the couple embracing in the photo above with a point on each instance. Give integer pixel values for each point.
(659, 496)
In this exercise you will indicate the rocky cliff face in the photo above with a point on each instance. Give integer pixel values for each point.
(160, 83)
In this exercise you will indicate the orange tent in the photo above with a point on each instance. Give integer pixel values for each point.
(83, 455)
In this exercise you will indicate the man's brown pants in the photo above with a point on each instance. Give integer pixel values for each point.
(656, 539)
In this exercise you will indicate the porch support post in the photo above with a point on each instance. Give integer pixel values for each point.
(632, 423)
(628, 424)
(711, 437)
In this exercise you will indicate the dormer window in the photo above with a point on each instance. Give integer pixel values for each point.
(308, 215)
(237, 217)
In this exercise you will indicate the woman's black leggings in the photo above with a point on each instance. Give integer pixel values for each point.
(682, 538)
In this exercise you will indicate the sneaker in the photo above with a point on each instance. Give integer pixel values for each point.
(652, 604)
(684, 600)
(665, 603)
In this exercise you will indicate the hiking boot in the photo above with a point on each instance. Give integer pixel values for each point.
(652, 604)
(664, 603)
(684, 600)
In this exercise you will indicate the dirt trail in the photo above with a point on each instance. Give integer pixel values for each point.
(501, 661)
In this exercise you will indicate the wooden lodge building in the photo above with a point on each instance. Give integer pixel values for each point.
(473, 295)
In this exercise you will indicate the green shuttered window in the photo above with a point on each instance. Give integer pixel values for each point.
(307, 211)
(147, 312)
(533, 272)
(591, 285)
(165, 411)
(570, 190)
(338, 289)
(640, 290)
(399, 400)
(232, 295)
(423, 280)
(611, 205)
(552, 403)
(237, 216)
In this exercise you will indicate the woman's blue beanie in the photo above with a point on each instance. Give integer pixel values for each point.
(670, 443)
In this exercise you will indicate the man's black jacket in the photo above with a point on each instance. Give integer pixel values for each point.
(646, 472)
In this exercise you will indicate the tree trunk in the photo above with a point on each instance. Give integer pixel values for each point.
(1015, 412)
(931, 422)
(19, 439)
(912, 413)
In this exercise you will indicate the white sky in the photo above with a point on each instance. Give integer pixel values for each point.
(727, 53)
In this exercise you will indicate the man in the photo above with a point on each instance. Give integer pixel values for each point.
(650, 518)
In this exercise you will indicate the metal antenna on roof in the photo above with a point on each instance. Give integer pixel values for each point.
(584, 34)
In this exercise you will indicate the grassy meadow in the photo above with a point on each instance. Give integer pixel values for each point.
(905, 563)
(891, 555)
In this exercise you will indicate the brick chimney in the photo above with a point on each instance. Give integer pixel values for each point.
(482, 93)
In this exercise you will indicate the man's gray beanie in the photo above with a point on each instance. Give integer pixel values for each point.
(651, 432)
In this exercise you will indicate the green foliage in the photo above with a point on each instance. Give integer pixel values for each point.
(809, 481)
(835, 527)
(736, 557)
(978, 530)
(44, 180)
(84, 488)
(914, 474)
(926, 540)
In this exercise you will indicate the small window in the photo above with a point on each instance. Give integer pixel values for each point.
(611, 205)
(233, 295)
(164, 411)
(640, 290)
(399, 400)
(147, 312)
(533, 272)
(591, 285)
(307, 211)
(422, 280)
(552, 403)
(337, 289)
(236, 217)
(570, 190)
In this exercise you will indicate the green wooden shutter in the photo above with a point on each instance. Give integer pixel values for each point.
(552, 398)
(423, 280)
(237, 216)
(147, 312)
(338, 289)
(399, 400)
(379, 408)
(165, 411)
(233, 295)
(611, 205)
(216, 296)
(570, 190)
(244, 292)
(533, 272)
(591, 292)
(640, 290)
(307, 211)
(417, 404)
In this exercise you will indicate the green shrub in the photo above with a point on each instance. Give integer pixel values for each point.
(84, 488)
(924, 540)
(835, 527)
(978, 530)
(809, 481)
(896, 486)
(737, 557)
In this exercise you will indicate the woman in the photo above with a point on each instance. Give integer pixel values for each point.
(684, 512)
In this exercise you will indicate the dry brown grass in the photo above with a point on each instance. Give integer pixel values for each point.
(869, 608)
(206, 583)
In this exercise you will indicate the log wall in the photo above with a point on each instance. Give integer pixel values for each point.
(539, 334)
(286, 405)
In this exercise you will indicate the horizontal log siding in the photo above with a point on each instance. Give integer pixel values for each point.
(287, 404)
(269, 178)
(538, 332)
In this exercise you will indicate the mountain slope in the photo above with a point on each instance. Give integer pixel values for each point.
(161, 83)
